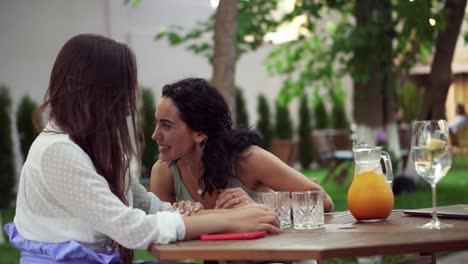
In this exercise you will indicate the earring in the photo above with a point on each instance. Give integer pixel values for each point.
(201, 146)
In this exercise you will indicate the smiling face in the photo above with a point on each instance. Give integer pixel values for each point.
(174, 137)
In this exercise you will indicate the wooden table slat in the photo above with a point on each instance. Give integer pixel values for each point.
(342, 236)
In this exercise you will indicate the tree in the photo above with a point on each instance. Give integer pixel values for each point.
(373, 93)
(264, 121)
(305, 132)
(238, 26)
(440, 76)
(224, 57)
(150, 148)
(7, 169)
(24, 123)
(367, 38)
(371, 40)
(410, 99)
(242, 117)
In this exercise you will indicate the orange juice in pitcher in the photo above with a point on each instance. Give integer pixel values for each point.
(370, 196)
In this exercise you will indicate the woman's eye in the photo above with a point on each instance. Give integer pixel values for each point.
(164, 125)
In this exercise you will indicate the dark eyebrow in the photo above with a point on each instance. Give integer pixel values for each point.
(166, 121)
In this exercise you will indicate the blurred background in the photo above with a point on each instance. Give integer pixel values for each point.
(311, 76)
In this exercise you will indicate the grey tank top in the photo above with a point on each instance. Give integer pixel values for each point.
(181, 192)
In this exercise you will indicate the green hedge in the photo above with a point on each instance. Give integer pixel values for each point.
(284, 128)
(264, 121)
(24, 124)
(320, 113)
(7, 169)
(305, 131)
(150, 149)
(242, 117)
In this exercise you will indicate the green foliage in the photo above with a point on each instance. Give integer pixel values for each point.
(254, 20)
(7, 169)
(305, 131)
(150, 148)
(264, 122)
(24, 123)
(133, 3)
(242, 117)
(320, 112)
(409, 97)
(338, 113)
(340, 48)
(348, 45)
(284, 128)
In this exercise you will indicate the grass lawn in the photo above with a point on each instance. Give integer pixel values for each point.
(452, 189)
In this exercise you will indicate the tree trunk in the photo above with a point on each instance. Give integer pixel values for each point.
(374, 100)
(224, 57)
(440, 76)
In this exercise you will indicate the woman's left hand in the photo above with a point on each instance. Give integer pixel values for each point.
(187, 207)
(233, 198)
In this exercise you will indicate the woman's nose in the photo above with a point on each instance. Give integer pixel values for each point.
(156, 135)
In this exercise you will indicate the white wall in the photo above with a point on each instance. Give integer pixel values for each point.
(33, 31)
(31, 34)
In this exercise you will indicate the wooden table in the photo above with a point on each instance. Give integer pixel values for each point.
(342, 237)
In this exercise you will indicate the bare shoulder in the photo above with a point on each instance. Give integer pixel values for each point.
(255, 155)
(161, 168)
(162, 182)
(256, 161)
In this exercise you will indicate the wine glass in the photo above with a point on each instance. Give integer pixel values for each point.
(432, 156)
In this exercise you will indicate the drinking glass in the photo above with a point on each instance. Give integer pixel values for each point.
(307, 209)
(280, 202)
(432, 156)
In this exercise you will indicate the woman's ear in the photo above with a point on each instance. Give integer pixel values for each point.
(200, 137)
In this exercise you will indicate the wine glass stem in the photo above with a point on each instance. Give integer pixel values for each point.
(435, 220)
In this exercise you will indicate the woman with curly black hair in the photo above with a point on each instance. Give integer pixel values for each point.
(203, 159)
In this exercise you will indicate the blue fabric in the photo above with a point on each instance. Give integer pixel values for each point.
(69, 252)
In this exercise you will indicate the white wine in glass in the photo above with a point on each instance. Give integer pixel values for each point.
(432, 156)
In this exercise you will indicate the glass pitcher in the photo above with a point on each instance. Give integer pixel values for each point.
(370, 196)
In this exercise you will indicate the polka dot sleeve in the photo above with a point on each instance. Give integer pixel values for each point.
(145, 200)
(71, 178)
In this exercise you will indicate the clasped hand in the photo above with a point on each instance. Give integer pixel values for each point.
(233, 198)
(228, 198)
(187, 207)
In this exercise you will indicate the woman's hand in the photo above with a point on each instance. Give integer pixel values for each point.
(233, 198)
(248, 218)
(187, 207)
(253, 217)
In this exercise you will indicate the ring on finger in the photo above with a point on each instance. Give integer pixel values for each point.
(191, 208)
(237, 200)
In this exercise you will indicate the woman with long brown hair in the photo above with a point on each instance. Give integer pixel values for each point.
(76, 200)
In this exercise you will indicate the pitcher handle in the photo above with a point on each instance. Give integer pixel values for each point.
(388, 167)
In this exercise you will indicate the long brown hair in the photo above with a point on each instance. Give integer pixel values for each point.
(92, 90)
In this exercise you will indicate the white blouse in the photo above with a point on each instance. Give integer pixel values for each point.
(61, 197)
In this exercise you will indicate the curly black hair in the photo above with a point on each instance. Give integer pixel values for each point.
(203, 108)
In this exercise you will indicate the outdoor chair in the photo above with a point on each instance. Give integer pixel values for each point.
(462, 142)
(462, 138)
(334, 151)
